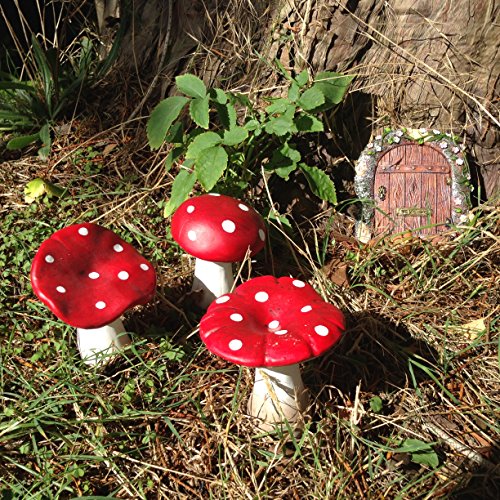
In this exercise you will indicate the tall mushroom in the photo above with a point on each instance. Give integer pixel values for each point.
(218, 230)
(88, 277)
(272, 324)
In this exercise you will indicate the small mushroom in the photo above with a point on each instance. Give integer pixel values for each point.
(218, 230)
(88, 277)
(273, 324)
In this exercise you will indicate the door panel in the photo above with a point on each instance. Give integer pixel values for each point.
(412, 190)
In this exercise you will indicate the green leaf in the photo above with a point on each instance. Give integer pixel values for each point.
(45, 135)
(321, 185)
(173, 156)
(311, 98)
(302, 78)
(293, 92)
(175, 134)
(290, 152)
(203, 141)
(282, 69)
(284, 172)
(181, 187)
(16, 86)
(279, 126)
(22, 141)
(376, 404)
(200, 111)
(38, 188)
(234, 136)
(227, 115)
(308, 123)
(218, 96)
(252, 125)
(412, 445)
(191, 85)
(210, 165)
(162, 117)
(429, 458)
(278, 106)
(332, 85)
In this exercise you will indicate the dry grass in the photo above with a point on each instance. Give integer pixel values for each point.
(419, 359)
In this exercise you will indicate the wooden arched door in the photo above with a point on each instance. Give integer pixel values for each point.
(412, 190)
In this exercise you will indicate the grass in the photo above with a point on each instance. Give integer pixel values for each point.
(167, 420)
(407, 405)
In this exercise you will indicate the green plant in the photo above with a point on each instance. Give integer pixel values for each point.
(219, 149)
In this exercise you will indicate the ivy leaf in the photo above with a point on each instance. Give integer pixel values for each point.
(308, 123)
(210, 165)
(203, 141)
(234, 136)
(162, 117)
(311, 99)
(199, 111)
(191, 85)
(181, 187)
(321, 185)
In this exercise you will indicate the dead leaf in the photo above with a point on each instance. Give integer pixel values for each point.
(336, 271)
(471, 329)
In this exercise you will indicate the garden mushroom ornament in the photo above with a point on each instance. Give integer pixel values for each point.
(273, 324)
(88, 277)
(218, 230)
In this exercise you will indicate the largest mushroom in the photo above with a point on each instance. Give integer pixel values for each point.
(88, 277)
(218, 230)
(273, 324)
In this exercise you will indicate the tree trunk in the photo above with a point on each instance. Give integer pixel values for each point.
(418, 63)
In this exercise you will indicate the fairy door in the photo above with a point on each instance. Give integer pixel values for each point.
(412, 190)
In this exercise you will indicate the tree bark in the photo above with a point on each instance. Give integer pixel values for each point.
(419, 63)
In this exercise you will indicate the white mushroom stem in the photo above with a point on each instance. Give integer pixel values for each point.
(278, 395)
(212, 279)
(97, 345)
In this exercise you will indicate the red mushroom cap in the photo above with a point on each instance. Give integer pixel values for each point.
(270, 321)
(218, 228)
(88, 276)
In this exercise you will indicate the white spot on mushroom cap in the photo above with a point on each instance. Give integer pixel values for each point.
(93, 275)
(192, 235)
(274, 324)
(261, 296)
(123, 275)
(118, 248)
(144, 267)
(83, 231)
(298, 283)
(236, 317)
(306, 309)
(49, 259)
(243, 207)
(229, 226)
(100, 304)
(222, 299)
(280, 332)
(262, 234)
(214, 194)
(61, 289)
(190, 209)
(235, 345)
(321, 330)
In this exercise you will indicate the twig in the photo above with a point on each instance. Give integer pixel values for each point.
(473, 456)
